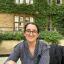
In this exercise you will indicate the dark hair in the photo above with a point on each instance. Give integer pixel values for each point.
(32, 24)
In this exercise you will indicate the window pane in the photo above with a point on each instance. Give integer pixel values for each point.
(27, 1)
(16, 26)
(31, 1)
(21, 19)
(59, 1)
(21, 1)
(48, 1)
(31, 19)
(16, 18)
(27, 19)
(21, 25)
(17, 1)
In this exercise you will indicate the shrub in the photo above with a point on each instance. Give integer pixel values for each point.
(11, 36)
(51, 36)
(18, 36)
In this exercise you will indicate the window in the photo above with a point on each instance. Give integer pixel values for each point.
(59, 1)
(29, 1)
(20, 21)
(31, 19)
(49, 2)
(18, 1)
(24, 2)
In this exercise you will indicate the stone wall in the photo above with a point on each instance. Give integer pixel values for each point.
(6, 22)
(7, 46)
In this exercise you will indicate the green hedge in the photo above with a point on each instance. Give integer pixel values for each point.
(11, 36)
(52, 37)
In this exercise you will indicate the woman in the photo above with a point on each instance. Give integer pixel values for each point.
(31, 50)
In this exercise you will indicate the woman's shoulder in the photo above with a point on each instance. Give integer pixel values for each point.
(20, 44)
(44, 44)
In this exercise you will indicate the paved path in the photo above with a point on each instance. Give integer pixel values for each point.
(2, 60)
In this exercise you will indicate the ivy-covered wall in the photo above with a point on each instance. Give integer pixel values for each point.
(9, 6)
(40, 10)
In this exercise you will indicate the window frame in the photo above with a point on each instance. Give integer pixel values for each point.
(58, 3)
(17, 20)
(27, 2)
(49, 2)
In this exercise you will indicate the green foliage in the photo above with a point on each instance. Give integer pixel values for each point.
(9, 6)
(52, 37)
(41, 22)
(11, 36)
(40, 10)
(18, 36)
(59, 22)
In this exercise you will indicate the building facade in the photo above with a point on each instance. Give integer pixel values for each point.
(15, 21)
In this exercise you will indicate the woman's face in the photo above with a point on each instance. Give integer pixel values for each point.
(31, 33)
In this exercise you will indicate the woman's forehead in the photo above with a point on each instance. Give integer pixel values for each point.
(31, 26)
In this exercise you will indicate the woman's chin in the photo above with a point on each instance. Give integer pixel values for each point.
(30, 40)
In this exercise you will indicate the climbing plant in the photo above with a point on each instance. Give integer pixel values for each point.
(40, 10)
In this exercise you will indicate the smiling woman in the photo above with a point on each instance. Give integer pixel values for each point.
(31, 50)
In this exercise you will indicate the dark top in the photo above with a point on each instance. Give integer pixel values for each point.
(21, 51)
(62, 61)
(55, 54)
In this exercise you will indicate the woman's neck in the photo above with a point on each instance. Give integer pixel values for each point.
(32, 44)
(32, 47)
